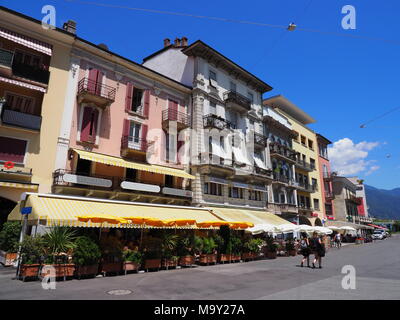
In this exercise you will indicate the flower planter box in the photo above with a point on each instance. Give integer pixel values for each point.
(29, 271)
(8, 259)
(235, 257)
(111, 267)
(130, 266)
(292, 253)
(272, 255)
(224, 258)
(249, 256)
(62, 270)
(152, 264)
(169, 263)
(206, 259)
(85, 271)
(186, 261)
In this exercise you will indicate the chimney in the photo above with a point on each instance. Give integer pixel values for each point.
(70, 26)
(184, 42)
(167, 42)
(177, 42)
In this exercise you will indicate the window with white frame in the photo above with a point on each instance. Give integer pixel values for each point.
(213, 78)
(137, 100)
(135, 132)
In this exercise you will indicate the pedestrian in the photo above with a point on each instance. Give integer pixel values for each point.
(318, 249)
(338, 240)
(305, 250)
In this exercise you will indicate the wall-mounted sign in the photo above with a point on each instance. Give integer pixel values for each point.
(140, 186)
(26, 210)
(90, 181)
(177, 192)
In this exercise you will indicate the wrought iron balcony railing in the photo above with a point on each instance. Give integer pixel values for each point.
(174, 115)
(213, 121)
(237, 98)
(260, 139)
(96, 88)
(279, 149)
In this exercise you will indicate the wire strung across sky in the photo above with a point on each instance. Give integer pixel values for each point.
(261, 24)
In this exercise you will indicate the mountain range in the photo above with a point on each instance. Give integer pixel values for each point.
(384, 204)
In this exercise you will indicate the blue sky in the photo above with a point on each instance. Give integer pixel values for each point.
(341, 81)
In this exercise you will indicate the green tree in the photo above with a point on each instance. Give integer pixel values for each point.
(9, 236)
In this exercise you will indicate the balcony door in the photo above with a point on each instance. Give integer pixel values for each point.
(95, 81)
(172, 110)
(135, 135)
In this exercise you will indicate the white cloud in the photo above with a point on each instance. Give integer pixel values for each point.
(348, 158)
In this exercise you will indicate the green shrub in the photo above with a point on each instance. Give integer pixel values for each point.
(271, 245)
(289, 245)
(209, 245)
(132, 256)
(253, 245)
(32, 250)
(111, 249)
(236, 244)
(59, 241)
(86, 252)
(9, 236)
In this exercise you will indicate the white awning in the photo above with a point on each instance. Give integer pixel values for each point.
(26, 41)
(241, 155)
(23, 84)
(260, 163)
(217, 149)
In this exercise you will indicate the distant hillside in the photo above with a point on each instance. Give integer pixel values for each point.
(383, 204)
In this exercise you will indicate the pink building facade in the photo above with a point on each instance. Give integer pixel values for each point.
(125, 128)
(326, 178)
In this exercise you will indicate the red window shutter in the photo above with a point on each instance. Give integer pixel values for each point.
(86, 120)
(128, 97)
(94, 119)
(125, 133)
(91, 85)
(12, 149)
(172, 110)
(99, 80)
(144, 136)
(146, 103)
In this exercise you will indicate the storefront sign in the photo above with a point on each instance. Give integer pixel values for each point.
(177, 192)
(90, 181)
(140, 186)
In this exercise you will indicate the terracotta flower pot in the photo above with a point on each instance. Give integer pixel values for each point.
(211, 258)
(29, 271)
(203, 259)
(64, 270)
(130, 266)
(186, 261)
(246, 256)
(169, 263)
(224, 258)
(91, 270)
(8, 258)
(152, 264)
(271, 255)
(235, 257)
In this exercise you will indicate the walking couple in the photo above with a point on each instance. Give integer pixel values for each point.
(312, 246)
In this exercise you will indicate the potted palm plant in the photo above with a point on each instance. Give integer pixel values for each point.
(31, 254)
(169, 243)
(236, 249)
(208, 254)
(132, 260)
(272, 248)
(186, 252)
(58, 245)
(111, 255)
(290, 248)
(251, 249)
(9, 242)
(86, 257)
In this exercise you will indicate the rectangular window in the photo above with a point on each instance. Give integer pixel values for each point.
(213, 107)
(255, 195)
(134, 132)
(20, 103)
(137, 100)
(303, 140)
(12, 149)
(316, 204)
(314, 183)
(235, 192)
(214, 189)
(27, 58)
(312, 163)
(213, 79)
(310, 144)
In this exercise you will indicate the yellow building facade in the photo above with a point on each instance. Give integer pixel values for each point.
(307, 175)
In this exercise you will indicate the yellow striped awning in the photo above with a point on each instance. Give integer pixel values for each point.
(63, 211)
(19, 185)
(118, 162)
(254, 216)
